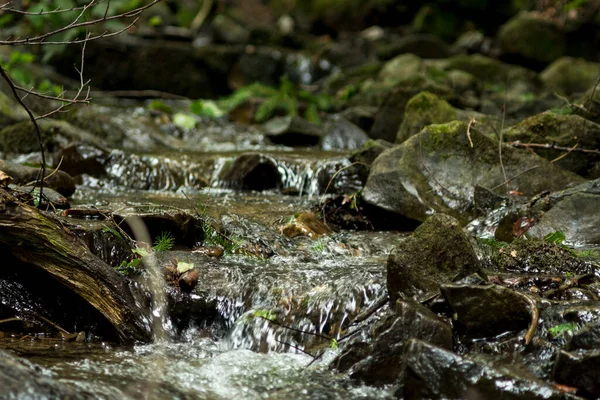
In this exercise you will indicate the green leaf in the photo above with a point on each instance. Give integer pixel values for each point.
(183, 266)
(184, 121)
(266, 314)
(555, 237)
(140, 251)
(158, 105)
(333, 344)
(207, 108)
(559, 330)
(155, 20)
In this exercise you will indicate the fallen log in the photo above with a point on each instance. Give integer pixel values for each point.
(39, 240)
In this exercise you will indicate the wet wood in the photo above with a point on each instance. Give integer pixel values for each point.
(39, 239)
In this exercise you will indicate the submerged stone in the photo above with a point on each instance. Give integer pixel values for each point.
(437, 252)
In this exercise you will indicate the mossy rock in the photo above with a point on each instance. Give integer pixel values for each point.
(437, 170)
(532, 37)
(566, 131)
(400, 68)
(568, 75)
(486, 69)
(391, 114)
(537, 256)
(436, 253)
(21, 138)
(424, 109)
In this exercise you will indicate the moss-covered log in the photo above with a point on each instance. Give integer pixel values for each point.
(40, 240)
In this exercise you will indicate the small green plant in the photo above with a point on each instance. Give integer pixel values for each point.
(561, 329)
(16, 66)
(318, 246)
(164, 242)
(263, 313)
(566, 110)
(158, 105)
(286, 99)
(588, 253)
(108, 229)
(557, 237)
(333, 344)
(213, 237)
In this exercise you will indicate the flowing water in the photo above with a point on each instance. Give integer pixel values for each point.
(214, 345)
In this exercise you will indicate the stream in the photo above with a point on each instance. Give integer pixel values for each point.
(219, 350)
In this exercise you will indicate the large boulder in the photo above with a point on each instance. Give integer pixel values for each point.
(568, 75)
(532, 37)
(437, 252)
(554, 134)
(438, 169)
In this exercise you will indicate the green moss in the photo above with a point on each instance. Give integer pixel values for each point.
(421, 110)
(533, 37)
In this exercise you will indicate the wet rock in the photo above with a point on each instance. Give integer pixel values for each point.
(21, 379)
(51, 197)
(21, 138)
(293, 131)
(564, 131)
(567, 75)
(132, 129)
(539, 256)
(532, 38)
(341, 134)
(421, 45)
(591, 105)
(437, 252)
(78, 159)
(400, 68)
(305, 224)
(488, 70)
(487, 310)
(586, 338)
(10, 111)
(430, 372)
(22, 175)
(252, 172)
(391, 113)
(363, 117)
(365, 156)
(437, 170)
(470, 42)
(579, 370)
(411, 321)
(576, 216)
(422, 110)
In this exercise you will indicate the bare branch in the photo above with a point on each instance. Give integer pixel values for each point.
(36, 126)
(6, 8)
(40, 39)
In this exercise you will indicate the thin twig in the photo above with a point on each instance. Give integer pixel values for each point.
(36, 126)
(514, 177)
(471, 122)
(535, 316)
(40, 39)
(502, 133)
(553, 147)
